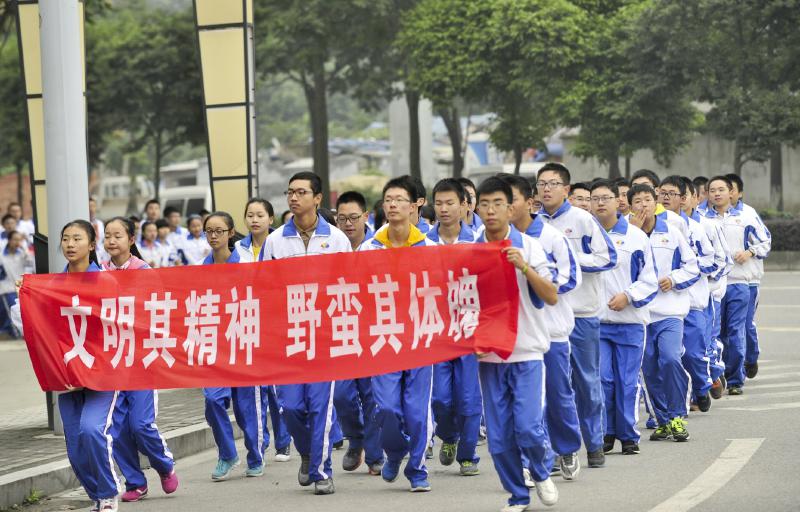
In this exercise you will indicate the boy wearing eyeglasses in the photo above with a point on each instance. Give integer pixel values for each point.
(595, 254)
(628, 289)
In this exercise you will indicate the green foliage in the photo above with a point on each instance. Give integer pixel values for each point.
(33, 497)
(785, 234)
(14, 150)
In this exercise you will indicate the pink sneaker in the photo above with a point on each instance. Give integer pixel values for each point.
(169, 482)
(134, 494)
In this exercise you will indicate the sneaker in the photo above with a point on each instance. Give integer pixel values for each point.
(108, 505)
(302, 473)
(678, 428)
(751, 370)
(447, 453)
(468, 468)
(95, 507)
(254, 471)
(662, 433)
(283, 454)
(429, 453)
(324, 487)
(421, 486)
(224, 468)
(338, 445)
(352, 459)
(169, 483)
(134, 494)
(515, 508)
(716, 389)
(556, 469)
(375, 468)
(570, 466)
(390, 471)
(608, 443)
(693, 407)
(724, 381)
(735, 390)
(547, 492)
(630, 448)
(651, 424)
(704, 403)
(597, 458)
(482, 437)
(526, 474)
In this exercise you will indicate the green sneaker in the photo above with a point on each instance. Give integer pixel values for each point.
(468, 468)
(662, 433)
(678, 428)
(447, 453)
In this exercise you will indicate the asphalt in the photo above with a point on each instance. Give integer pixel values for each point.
(742, 456)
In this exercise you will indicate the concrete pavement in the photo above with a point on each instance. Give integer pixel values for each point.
(743, 455)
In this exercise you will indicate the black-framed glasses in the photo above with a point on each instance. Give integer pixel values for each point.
(352, 218)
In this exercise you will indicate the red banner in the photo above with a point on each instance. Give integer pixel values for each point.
(310, 319)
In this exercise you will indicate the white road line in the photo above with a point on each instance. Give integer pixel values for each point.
(770, 368)
(759, 396)
(784, 375)
(757, 387)
(12, 346)
(782, 288)
(730, 462)
(779, 329)
(777, 306)
(761, 408)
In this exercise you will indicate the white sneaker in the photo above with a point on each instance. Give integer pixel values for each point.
(108, 505)
(547, 492)
(95, 507)
(526, 474)
(514, 508)
(570, 466)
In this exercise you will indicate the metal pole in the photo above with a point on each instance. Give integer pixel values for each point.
(64, 123)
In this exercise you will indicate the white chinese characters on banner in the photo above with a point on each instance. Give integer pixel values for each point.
(464, 305)
(203, 322)
(430, 321)
(244, 327)
(117, 318)
(386, 326)
(304, 318)
(159, 340)
(344, 325)
(78, 332)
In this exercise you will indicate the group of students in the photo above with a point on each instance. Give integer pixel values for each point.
(16, 259)
(647, 289)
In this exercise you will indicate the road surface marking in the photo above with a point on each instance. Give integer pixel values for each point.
(784, 375)
(760, 306)
(768, 288)
(731, 461)
(757, 387)
(779, 329)
(760, 396)
(761, 408)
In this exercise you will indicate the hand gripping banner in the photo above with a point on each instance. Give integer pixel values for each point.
(299, 320)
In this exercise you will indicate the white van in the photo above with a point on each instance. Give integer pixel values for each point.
(188, 200)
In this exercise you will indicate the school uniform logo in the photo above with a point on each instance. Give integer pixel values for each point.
(620, 242)
(568, 231)
(324, 245)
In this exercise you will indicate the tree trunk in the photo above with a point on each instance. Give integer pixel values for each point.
(157, 173)
(517, 158)
(776, 177)
(316, 97)
(628, 168)
(453, 125)
(613, 167)
(738, 163)
(414, 163)
(19, 183)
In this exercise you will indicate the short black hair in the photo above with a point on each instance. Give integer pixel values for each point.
(263, 202)
(450, 185)
(421, 191)
(561, 169)
(313, 179)
(580, 186)
(622, 182)
(518, 182)
(466, 182)
(495, 184)
(203, 212)
(427, 212)
(700, 182)
(6, 217)
(532, 182)
(405, 183)
(380, 215)
(603, 183)
(638, 189)
(352, 196)
(169, 210)
(690, 188)
(651, 176)
(151, 201)
(327, 215)
(135, 218)
(723, 178)
(735, 179)
(676, 181)
(161, 223)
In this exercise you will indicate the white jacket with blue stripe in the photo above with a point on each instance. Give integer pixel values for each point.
(744, 231)
(700, 292)
(675, 259)
(285, 242)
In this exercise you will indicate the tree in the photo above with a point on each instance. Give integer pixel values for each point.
(323, 45)
(155, 95)
(741, 57)
(15, 149)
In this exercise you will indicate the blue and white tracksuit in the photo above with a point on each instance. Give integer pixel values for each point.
(248, 409)
(191, 250)
(476, 225)
(695, 325)
(403, 400)
(595, 254)
(622, 333)
(513, 390)
(752, 351)
(666, 380)
(561, 413)
(743, 231)
(456, 398)
(308, 408)
(269, 400)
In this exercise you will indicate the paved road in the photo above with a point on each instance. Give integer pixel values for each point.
(743, 455)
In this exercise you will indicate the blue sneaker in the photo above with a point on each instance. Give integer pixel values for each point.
(652, 424)
(390, 471)
(224, 468)
(421, 486)
(254, 471)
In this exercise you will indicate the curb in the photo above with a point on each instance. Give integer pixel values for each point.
(56, 477)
